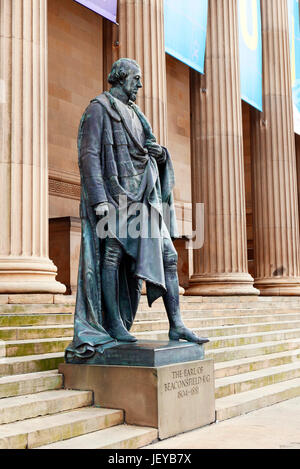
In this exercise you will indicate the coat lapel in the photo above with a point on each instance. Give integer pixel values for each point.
(103, 99)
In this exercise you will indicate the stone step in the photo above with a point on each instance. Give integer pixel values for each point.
(13, 409)
(43, 362)
(42, 332)
(51, 308)
(207, 318)
(255, 379)
(39, 431)
(30, 364)
(31, 319)
(229, 341)
(192, 303)
(236, 316)
(35, 332)
(21, 348)
(37, 298)
(249, 364)
(252, 338)
(214, 331)
(242, 403)
(232, 299)
(119, 437)
(252, 350)
(19, 385)
(274, 310)
(36, 308)
(157, 307)
(24, 332)
(160, 313)
(43, 346)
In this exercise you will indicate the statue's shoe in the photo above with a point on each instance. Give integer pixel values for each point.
(184, 333)
(122, 335)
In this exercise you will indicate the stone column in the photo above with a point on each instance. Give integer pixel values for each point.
(297, 144)
(24, 262)
(275, 205)
(140, 36)
(220, 266)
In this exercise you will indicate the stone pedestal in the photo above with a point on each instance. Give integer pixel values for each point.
(174, 398)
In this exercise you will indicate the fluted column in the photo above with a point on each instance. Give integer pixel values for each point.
(297, 143)
(220, 266)
(140, 36)
(275, 222)
(24, 261)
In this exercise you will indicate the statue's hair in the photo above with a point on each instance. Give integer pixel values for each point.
(120, 70)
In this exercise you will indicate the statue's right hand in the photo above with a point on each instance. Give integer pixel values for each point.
(101, 209)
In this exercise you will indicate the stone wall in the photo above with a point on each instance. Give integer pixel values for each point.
(179, 133)
(75, 77)
(178, 110)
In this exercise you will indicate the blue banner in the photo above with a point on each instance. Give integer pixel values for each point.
(106, 8)
(294, 25)
(250, 45)
(185, 31)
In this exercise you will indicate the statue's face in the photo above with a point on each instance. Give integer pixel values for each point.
(132, 83)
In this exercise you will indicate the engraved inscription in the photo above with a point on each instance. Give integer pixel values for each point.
(187, 381)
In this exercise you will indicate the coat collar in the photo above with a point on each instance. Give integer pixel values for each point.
(104, 101)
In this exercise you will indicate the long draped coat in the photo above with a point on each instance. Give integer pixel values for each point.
(109, 154)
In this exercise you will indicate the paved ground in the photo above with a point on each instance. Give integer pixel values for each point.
(275, 427)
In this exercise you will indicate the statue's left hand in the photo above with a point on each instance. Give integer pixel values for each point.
(101, 209)
(154, 149)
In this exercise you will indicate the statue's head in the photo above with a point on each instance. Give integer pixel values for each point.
(126, 74)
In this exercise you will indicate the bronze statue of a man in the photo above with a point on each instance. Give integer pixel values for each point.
(120, 160)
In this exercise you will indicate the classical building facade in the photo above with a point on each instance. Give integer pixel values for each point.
(240, 163)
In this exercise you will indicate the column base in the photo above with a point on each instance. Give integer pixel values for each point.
(278, 287)
(222, 285)
(29, 275)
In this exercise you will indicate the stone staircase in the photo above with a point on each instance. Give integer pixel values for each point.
(255, 343)
(35, 410)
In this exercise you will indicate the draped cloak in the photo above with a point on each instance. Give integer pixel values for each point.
(113, 163)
